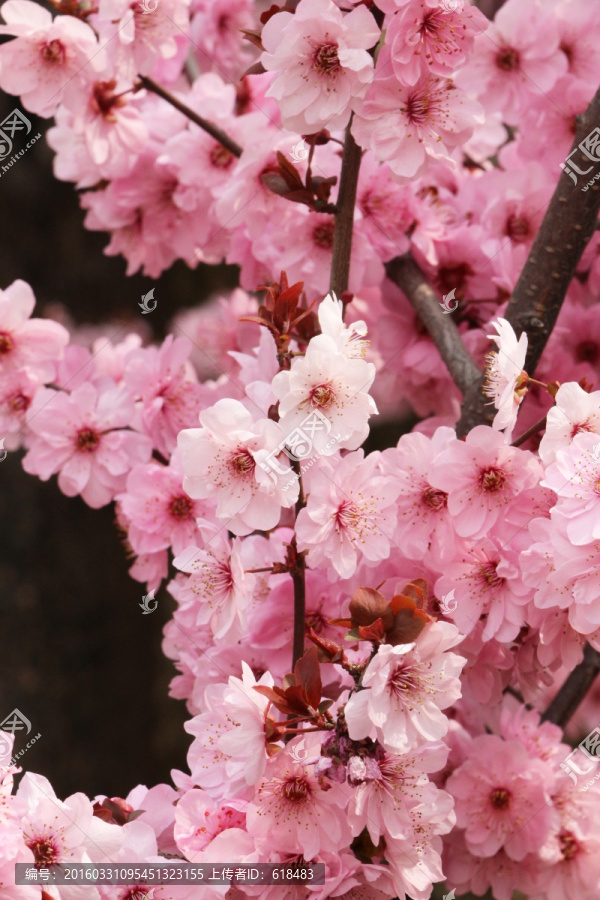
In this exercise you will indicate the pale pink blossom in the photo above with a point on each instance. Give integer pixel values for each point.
(199, 819)
(426, 36)
(575, 477)
(167, 388)
(504, 373)
(502, 798)
(350, 514)
(575, 411)
(482, 477)
(405, 689)
(46, 55)
(84, 436)
(294, 812)
(218, 585)
(25, 342)
(331, 387)
(406, 126)
(322, 59)
(159, 511)
(222, 460)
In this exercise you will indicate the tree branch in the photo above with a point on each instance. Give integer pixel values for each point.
(298, 574)
(344, 218)
(405, 273)
(574, 689)
(536, 301)
(211, 129)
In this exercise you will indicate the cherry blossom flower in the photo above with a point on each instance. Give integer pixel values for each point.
(518, 57)
(222, 460)
(334, 388)
(575, 411)
(166, 385)
(502, 798)
(293, 811)
(350, 511)
(482, 476)
(321, 55)
(506, 381)
(575, 477)
(46, 55)
(159, 511)
(424, 37)
(406, 687)
(84, 437)
(34, 343)
(220, 588)
(406, 126)
(199, 819)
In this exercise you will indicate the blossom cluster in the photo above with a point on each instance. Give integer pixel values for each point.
(448, 585)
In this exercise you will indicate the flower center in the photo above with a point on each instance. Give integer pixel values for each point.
(500, 798)
(518, 228)
(434, 499)
(104, 101)
(492, 480)
(53, 52)
(221, 157)
(322, 396)
(489, 574)
(181, 507)
(44, 850)
(347, 516)
(417, 108)
(87, 440)
(6, 342)
(403, 682)
(19, 402)
(316, 621)
(508, 59)
(568, 845)
(325, 60)
(587, 351)
(323, 235)
(242, 462)
(296, 789)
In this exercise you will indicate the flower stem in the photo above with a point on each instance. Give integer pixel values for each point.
(298, 574)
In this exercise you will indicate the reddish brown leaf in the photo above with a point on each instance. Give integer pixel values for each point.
(373, 632)
(328, 650)
(254, 38)
(368, 605)
(408, 625)
(308, 676)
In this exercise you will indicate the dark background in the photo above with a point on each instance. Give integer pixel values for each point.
(78, 657)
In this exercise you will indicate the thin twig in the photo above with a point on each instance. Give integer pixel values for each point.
(536, 301)
(344, 218)
(207, 126)
(537, 426)
(405, 273)
(574, 689)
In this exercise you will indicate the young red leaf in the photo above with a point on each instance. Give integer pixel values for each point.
(308, 675)
(368, 605)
